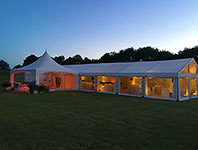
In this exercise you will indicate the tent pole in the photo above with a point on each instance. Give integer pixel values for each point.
(143, 86)
(117, 85)
(77, 82)
(177, 90)
(96, 82)
(37, 77)
(197, 85)
(189, 88)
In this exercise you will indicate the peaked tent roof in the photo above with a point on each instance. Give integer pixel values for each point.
(47, 64)
(165, 67)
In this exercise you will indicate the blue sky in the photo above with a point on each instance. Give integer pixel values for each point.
(93, 27)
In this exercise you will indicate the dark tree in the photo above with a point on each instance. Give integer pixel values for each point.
(4, 65)
(128, 55)
(59, 59)
(30, 59)
(86, 60)
(77, 59)
(17, 66)
(189, 52)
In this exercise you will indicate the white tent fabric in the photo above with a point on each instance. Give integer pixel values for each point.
(44, 64)
(166, 68)
(47, 64)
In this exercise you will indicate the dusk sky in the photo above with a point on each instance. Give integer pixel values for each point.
(93, 27)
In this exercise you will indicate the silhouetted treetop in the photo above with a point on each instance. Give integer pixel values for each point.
(128, 55)
(4, 65)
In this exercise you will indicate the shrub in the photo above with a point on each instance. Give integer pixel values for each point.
(43, 89)
(31, 88)
(39, 88)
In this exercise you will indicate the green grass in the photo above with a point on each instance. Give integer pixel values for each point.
(80, 120)
(4, 77)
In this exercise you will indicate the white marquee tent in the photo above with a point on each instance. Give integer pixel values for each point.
(159, 79)
(44, 64)
(169, 79)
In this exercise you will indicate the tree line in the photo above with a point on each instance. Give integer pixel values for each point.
(4, 65)
(127, 55)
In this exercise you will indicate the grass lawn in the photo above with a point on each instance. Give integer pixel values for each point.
(80, 120)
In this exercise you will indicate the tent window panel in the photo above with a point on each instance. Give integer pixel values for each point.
(106, 84)
(185, 70)
(193, 87)
(58, 81)
(131, 85)
(184, 92)
(44, 79)
(29, 77)
(87, 83)
(69, 82)
(193, 67)
(160, 87)
(19, 77)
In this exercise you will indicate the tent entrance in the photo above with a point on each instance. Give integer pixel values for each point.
(17, 81)
(58, 81)
(17, 76)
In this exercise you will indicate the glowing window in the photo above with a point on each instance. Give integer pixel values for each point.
(58, 80)
(185, 70)
(87, 83)
(106, 84)
(193, 87)
(193, 67)
(160, 87)
(184, 91)
(131, 85)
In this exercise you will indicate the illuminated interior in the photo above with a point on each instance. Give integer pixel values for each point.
(106, 84)
(87, 83)
(160, 87)
(131, 85)
(14, 77)
(193, 87)
(184, 92)
(192, 68)
(58, 81)
(185, 70)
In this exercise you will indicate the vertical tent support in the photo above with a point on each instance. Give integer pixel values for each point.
(177, 89)
(96, 83)
(143, 86)
(197, 86)
(189, 81)
(189, 88)
(37, 77)
(77, 82)
(117, 85)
